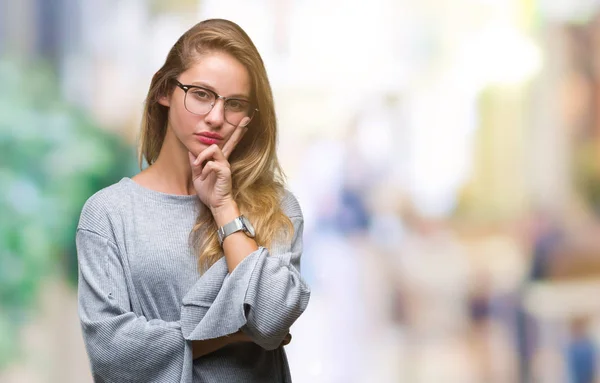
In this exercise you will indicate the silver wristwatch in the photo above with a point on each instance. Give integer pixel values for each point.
(240, 223)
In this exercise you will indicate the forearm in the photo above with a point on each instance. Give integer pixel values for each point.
(204, 347)
(238, 245)
(201, 348)
(261, 292)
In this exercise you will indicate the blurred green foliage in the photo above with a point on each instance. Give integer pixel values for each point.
(52, 158)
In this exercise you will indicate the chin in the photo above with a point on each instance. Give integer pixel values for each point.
(191, 147)
(196, 147)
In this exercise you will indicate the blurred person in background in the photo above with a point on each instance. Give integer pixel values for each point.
(581, 352)
(190, 270)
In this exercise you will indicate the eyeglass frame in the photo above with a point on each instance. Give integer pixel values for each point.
(218, 97)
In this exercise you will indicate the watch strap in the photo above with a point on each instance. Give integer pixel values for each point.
(229, 228)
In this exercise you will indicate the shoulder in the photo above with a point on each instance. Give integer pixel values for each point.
(100, 209)
(290, 205)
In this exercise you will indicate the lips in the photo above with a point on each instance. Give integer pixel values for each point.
(214, 136)
(209, 138)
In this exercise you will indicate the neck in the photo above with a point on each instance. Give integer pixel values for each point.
(171, 170)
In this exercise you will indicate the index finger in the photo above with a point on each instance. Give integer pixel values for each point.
(235, 138)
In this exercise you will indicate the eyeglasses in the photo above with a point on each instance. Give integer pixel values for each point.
(200, 101)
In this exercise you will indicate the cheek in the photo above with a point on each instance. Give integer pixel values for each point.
(181, 120)
(228, 132)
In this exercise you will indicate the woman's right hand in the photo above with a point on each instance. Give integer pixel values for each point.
(286, 340)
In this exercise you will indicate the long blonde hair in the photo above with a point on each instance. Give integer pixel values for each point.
(257, 178)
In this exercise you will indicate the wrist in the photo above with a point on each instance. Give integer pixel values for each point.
(225, 213)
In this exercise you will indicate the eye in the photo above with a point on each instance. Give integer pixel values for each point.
(202, 95)
(237, 105)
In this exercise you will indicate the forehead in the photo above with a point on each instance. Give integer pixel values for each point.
(219, 71)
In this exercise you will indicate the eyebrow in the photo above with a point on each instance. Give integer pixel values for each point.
(205, 85)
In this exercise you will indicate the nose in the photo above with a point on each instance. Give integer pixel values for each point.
(216, 116)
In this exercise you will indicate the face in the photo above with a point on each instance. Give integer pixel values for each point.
(216, 71)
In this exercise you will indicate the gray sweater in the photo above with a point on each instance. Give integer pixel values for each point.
(142, 300)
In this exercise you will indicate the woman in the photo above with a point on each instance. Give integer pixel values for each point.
(189, 271)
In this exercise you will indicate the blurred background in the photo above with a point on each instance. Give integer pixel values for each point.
(446, 155)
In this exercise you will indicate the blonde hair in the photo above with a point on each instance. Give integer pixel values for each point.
(257, 178)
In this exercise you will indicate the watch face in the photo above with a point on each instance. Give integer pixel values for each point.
(249, 229)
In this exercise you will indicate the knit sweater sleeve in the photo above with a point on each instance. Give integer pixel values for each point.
(263, 296)
(122, 346)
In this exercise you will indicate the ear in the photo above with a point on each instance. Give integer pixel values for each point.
(165, 101)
